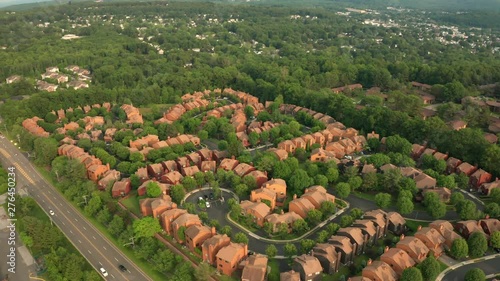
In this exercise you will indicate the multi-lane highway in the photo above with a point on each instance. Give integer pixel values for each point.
(95, 247)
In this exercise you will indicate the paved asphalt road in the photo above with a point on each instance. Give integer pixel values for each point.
(96, 248)
(489, 267)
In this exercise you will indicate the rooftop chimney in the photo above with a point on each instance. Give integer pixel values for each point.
(486, 217)
(282, 212)
(213, 231)
(386, 249)
(369, 262)
(295, 196)
(401, 237)
(419, 227)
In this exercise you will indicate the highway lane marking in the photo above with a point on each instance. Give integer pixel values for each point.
(44, 182)
(112, 276)
(60, 204)
(63, 223)
(67, 211)
(84, 228)
(76, 219)
(43, 201)
(85, 237)
(89, 252)
(93, 237)
(116, 259)
(79, 241)
(104, 247)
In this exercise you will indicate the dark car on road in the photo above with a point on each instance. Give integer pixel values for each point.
(122, 267)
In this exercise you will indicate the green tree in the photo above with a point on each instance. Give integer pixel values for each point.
(492, 209)
(405, 205)
(398, 144)
(478, 244)
(435, 207)
(459, 248)
(378, 160)
(116, 226)
(45, 150)
(146, 227)
(306, 245)
(430, 268)
(343, 190)
(323, 235)
(314, 217)
(189, 183)
(332, 174)
(153, 190)
(290, 250)
(475, 274)
(177, 193)
(203, 272)
(327, 208)
(181, 233)
(240, 237)
(226, 230)
(383, 200)
(271, 251)
(94, 205)
(411, 274)
(355, 182)
(356, 213)
(164, 261)
(467, 210)
(241, 190)
(495, 240)
(300, 226)
(332, 228)
(456, 198)
(253, 139)
(346, 220)
(299, 181)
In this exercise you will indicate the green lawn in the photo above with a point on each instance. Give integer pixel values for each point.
(132, 203)
(274, 275)
(442, 266)
(343, 271)
(413, 225)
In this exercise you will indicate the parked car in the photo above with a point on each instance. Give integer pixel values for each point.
(207, 204)
(51, 212)
(200, 199)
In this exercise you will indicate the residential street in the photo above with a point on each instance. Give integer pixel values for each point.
(93, 245)
(488, 266)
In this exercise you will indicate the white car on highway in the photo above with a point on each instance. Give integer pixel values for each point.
(104, 272)
(51, 212)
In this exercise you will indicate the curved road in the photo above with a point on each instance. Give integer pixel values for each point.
(488, 266)
(95, 247)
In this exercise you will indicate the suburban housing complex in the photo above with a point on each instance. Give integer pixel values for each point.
(335, 144)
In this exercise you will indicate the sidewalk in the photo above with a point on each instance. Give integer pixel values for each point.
(451, 268)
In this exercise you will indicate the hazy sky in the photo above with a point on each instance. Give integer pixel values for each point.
(4, 3)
